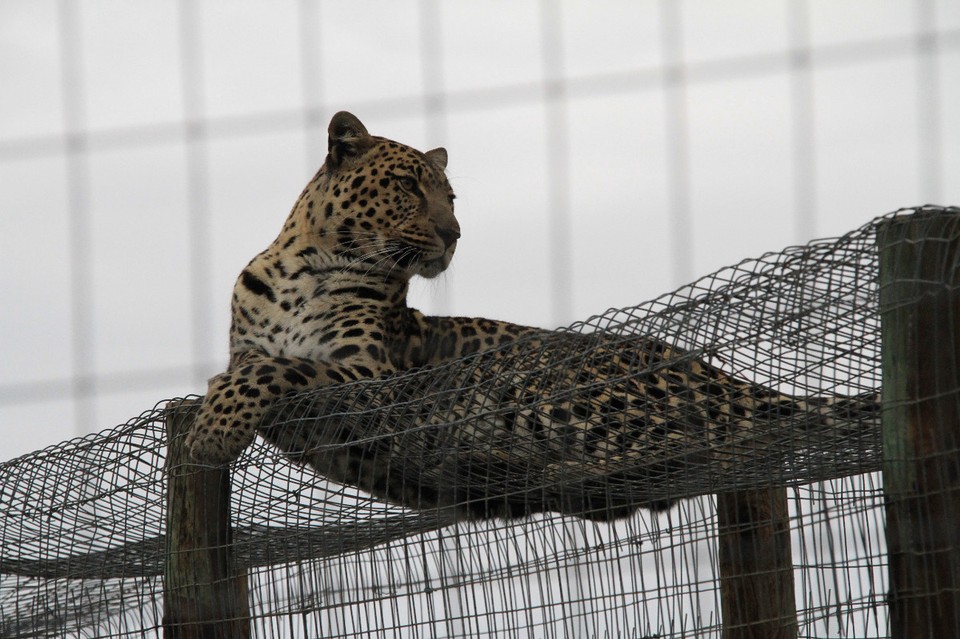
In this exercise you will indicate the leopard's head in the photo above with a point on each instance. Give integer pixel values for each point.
(380, 204)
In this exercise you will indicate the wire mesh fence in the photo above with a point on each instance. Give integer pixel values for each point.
(506, 484)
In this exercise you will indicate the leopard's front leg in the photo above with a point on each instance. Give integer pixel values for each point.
(237, 400)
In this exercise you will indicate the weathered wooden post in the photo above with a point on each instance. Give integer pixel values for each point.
(920, 314)
(204, 595)
(756, 565)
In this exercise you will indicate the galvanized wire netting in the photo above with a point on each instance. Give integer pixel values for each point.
(83, 523)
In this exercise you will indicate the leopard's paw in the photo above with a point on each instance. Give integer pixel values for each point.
(227, 421)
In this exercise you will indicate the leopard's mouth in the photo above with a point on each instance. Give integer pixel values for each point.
(412, 257)
(407, 256)
(433, 267)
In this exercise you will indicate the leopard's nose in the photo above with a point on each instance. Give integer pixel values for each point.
(448, 235)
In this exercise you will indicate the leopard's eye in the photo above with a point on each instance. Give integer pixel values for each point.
(407, 183)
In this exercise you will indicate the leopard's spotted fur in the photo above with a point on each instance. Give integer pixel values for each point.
(326, 304)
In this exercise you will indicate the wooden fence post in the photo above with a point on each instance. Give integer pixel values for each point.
(204, 595)
(920, 315)
(756, 565)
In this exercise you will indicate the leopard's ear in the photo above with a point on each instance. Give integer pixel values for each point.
(347, 138)
(438, 157)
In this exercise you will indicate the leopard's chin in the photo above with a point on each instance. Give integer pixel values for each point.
(436, 266)
(431, 268)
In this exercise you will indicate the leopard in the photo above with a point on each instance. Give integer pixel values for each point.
(324, 308)
(326, 302)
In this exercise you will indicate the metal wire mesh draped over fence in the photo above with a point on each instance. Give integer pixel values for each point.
(771, 371)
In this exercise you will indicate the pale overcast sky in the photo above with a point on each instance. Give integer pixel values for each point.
(603, 154)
